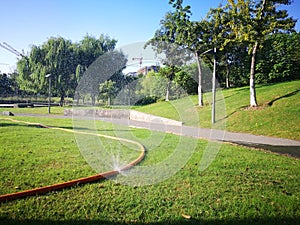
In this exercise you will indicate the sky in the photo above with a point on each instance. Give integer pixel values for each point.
(24, 23)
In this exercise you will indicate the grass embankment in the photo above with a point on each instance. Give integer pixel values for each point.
(241, 186)
(277, 114)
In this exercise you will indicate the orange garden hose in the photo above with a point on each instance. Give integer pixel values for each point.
(59, 186)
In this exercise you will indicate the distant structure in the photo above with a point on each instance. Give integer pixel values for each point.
(132, 74)
(146, 69)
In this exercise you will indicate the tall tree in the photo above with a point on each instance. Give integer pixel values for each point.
(172, 56)
(176, 28)
(251, 22)
(107, 66)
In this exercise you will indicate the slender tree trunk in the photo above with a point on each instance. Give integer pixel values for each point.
(129, 95)
(108, 101)
(200, 99)
(77, 101)
(168, 90)
(253, 102)
(62, 99)
(227, 76)
(93, 100)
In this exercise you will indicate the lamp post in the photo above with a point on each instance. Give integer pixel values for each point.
(49, 96)
(213, 107)
(213, 120)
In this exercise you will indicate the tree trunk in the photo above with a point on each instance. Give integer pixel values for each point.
(227, 76)
(62, 99)
(93, 100)
(77, 99)
(168, 90)
(129, 96)
(200, 99)
(108, 101)
(253, 102)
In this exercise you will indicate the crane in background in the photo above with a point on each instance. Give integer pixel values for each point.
(140, 59)
(11, 49)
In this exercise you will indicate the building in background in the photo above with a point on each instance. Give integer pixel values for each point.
(144, 70)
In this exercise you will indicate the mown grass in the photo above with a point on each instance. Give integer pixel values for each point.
(277, 114)
(32, 156)
(241, 186)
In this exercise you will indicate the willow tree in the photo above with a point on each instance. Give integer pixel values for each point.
(251, 22)
(65, 61)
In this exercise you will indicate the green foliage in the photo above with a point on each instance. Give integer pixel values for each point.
(64, 60)
(5, 85)
(279, 59)
(107, 90)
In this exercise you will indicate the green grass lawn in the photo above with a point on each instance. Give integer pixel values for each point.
(241, 186)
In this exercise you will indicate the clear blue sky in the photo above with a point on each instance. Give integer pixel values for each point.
(31, 22)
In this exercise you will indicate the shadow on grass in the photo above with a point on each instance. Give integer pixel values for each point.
(284, 96)
(293, 151)
(247, 221)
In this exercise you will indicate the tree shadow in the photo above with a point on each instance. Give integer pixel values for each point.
(293, 151)
(284, 96)
(228, 221)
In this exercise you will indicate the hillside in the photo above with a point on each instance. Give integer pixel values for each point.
(278, 113)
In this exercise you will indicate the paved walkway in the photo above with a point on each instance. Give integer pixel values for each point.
(279, 145)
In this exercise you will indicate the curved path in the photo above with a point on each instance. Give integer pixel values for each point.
(84, 180)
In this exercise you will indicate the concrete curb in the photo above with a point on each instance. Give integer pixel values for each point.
(122, 114)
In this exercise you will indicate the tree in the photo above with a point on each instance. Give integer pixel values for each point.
(66, 62)
(56, 56)
(5, 85)
(106, 67)
(251, 22)
(107, 90)
(176, 28)
(174, 56)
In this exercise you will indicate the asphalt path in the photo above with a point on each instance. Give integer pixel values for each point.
(277, 145)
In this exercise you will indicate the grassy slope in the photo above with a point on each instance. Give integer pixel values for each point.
(241, 186)
(277, 114)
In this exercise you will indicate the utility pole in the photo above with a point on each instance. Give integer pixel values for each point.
(213, 110)
(213, 106)
(49, 94)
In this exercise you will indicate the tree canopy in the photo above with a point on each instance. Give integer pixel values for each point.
(64, 60)
(238, 28)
